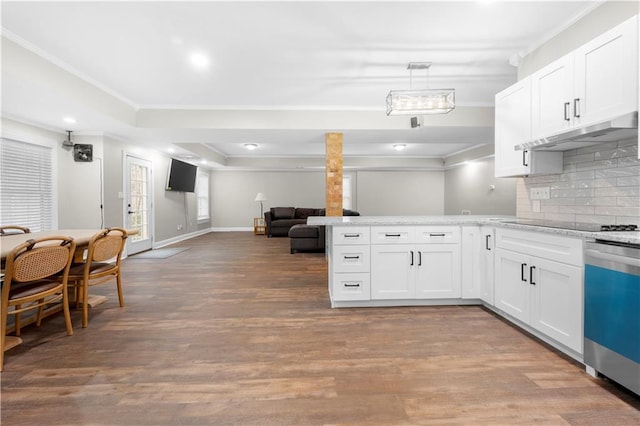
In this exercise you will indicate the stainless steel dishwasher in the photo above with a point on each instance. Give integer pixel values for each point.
(612, 311)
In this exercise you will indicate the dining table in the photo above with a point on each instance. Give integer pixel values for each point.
(80, 236)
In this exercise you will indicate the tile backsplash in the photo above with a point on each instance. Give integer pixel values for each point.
(599, 184)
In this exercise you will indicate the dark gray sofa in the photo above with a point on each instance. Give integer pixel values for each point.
(292, 222)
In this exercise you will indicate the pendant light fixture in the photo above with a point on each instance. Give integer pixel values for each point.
(420, 101)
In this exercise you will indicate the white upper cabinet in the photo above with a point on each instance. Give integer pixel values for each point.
(552, 92)
(606, 75)
(596, 82)
(513, 127)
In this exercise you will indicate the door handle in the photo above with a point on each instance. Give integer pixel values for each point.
(523, 266)
(486, 242)
(567, 105)
(531, 275)
(524, 158)
(576, 107)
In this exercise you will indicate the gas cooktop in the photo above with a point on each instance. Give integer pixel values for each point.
(577, 226)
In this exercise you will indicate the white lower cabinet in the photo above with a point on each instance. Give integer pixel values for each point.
(487, 265)
(477, 263)
(428, 270)
(541, 293)
(393, 272)
(349, 264)
(352, 286)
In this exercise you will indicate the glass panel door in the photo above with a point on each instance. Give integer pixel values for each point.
(138, 213)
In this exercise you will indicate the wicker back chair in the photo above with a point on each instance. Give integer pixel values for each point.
(33, 279)
(102, 264)
(13, 229)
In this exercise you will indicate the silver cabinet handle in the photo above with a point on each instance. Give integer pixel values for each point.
(351, 257)
(576, 107)
(391, 235)
(352, 285)
(567, 105)
(351, 235)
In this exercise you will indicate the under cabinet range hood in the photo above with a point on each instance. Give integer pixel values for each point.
(619, 128)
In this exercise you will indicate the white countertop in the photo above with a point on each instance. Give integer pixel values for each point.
(631, 237)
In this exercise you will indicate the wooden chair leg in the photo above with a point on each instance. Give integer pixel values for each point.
(67, 314)
(85, 304)
(3, 334)
(40, 312)
(120, 295)
(17, 320)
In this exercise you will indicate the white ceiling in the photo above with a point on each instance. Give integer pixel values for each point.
(288, 71)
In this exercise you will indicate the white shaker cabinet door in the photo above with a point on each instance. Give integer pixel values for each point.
(606, 75)
(512, 284)
(556, 301)
(392, 271)
(438, 271)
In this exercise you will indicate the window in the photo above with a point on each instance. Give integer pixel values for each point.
(26, 185)
(202, 192)
(346, 192)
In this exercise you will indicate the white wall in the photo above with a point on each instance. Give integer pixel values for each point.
(80, 186)
(233, 194)
(467, 187)
(387, 193)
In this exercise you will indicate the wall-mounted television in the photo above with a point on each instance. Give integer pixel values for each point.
(181, 176)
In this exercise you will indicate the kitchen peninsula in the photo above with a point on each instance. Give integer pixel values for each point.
(530, 274)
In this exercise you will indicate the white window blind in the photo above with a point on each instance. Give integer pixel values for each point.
(202, 192)
(26, 185)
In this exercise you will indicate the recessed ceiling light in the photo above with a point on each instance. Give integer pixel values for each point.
(70, 120)
(199, 60)
(399, 146)
(171, 150)
(250, 146)
(203, 161)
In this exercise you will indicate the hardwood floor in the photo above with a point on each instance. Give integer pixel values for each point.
(237, 331)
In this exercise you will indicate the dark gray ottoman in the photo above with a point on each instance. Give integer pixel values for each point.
(306, 238)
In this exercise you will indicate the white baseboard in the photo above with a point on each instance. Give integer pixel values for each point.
(169, 241)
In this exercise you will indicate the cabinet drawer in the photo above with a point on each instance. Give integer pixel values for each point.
(351, 258)
(438, 234)
(351, 287)
(350, 235)
(553, 247)
(392, 234)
